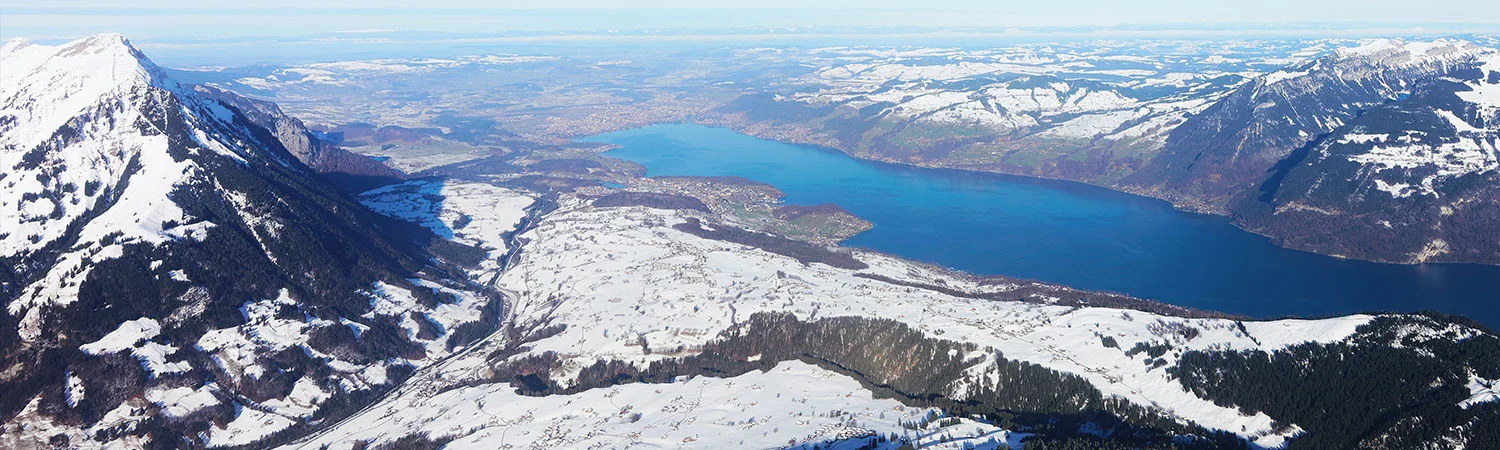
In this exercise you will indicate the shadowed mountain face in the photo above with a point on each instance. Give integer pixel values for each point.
(178, 271)
(315, 153)
(1226, 150)
(1383, 152)
(1410, 180)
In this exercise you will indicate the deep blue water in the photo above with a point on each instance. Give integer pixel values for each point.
(1069, 233)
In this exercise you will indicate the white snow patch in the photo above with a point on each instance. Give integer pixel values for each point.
(74, 390)
(249, 425)
(124, 337)
(181, 401)
(1481, 391)
(1458, 124)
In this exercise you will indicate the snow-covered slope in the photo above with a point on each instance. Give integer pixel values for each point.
(1036, 98)
(1091, 111)
(178, 278)
(629, 286)
(1410, 177)
(793, 404)
(83, 157)
(475, 214)
(1226, 151)
(684, 291)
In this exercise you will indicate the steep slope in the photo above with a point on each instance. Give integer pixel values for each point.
(178, 278)
(1226, 150)
(315, 153)
(1411, 180)
(1383, 152)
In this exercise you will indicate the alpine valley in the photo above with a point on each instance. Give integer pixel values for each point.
(433, 259)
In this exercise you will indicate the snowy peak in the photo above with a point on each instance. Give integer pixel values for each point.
(1377, 58)
(45, 86)
(94, 141)
(160, 238)
(1398, 50)
(100, 51)
(13, 45)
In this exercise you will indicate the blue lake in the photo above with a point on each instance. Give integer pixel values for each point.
(1063, 232)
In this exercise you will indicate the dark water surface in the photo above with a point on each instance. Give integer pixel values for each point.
(1068, 233)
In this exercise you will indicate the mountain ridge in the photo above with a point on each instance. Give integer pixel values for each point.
(185, 280)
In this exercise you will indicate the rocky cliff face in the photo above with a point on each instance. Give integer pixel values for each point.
(316, 153)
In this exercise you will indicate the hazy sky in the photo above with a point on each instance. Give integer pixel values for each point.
(207, 18)
(208, 31)
(1055, 12)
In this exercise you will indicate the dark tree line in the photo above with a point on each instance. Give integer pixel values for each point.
(804, 252)
(1357, 394)
(896, 361)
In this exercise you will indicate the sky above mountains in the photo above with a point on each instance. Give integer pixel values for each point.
(217, 18)
(224, 32)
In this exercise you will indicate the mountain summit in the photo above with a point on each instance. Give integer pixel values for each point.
(176, 271)
(95, 140)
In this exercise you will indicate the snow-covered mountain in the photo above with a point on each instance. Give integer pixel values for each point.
(183, 279)
(178, 278)
(1384, 151)
(1225, 151)
(1411, 180)
(1092, 111)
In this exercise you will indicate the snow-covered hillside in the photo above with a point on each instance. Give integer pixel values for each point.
(178, 276)
(79, 152)
(1456, 149)
(1407, 166)
(475, 214)
(1227, 151)
(793, 404)
(622, 284)
(1056, 94)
